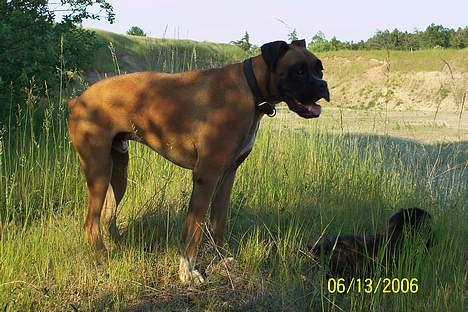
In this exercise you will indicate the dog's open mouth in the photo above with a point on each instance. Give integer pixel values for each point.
(305, 110)
(312, 108)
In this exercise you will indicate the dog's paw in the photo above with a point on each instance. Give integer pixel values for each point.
(188, 275)
(191, 277)
(229, 261)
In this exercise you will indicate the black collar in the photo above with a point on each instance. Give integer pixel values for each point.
(261, 103)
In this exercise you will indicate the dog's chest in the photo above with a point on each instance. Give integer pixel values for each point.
(249, 140)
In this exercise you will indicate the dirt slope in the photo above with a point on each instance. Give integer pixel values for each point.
(399, 81)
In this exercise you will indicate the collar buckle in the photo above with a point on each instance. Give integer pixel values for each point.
(267, 108)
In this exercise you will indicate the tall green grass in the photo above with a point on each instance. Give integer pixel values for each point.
(37, 165)
(297, 182)
(160, 54)
(302, 180)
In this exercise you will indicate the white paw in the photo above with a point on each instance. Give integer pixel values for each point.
(229, 261)
(187, 274)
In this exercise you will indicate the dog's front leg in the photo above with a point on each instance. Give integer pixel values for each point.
(220, 207)
(221, 202)
(204, 184)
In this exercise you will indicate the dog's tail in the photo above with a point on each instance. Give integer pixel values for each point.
(410, 220)
(72, 114)
(72, 102)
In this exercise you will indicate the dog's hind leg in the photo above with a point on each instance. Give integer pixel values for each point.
(116, 189)
(97, 179)
(95, 157)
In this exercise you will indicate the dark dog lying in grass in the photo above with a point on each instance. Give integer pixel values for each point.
(357, 255)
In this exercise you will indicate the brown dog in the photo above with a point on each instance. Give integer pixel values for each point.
(205, 121)
(350, 255)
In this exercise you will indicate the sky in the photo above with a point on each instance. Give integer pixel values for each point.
(224, 21)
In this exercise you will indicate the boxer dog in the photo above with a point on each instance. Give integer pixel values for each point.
(205, 121)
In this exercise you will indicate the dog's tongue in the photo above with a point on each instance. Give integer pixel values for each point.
(314, 108)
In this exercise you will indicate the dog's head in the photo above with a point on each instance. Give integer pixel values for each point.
(296, 76)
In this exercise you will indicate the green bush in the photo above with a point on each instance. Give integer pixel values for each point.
(35, 50)
(136, 31)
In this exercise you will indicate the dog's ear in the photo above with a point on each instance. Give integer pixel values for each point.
(299, 43)
(272, 52)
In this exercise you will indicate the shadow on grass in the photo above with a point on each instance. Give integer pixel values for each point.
(442, 167)
(155, 228)
(408, 151)
(159, 227)
(233, 289)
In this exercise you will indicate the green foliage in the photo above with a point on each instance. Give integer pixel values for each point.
(33, 46)
(244, 42)
(319, 43)
(459, 38)
(435, 36)
(394, 40)
(293, 35)
(136, 31)
(78, 10)
(135, 53)
(23, 53)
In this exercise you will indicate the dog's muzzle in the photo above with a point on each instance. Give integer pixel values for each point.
(310, 108)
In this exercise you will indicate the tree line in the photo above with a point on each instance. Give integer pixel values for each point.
(434, 36)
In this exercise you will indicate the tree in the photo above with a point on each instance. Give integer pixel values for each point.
(293, 35)
(435, 36)
(76, 11)
(394, 40)
(336, 44)
(459, 38)
(244, 42)
(381, 40)
(136, 31)
(31, 41)
(319, 43)
(410, 40)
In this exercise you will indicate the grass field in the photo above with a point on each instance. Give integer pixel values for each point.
(345, 172)
(144, 53)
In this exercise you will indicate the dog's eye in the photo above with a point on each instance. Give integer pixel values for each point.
(300, 72)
